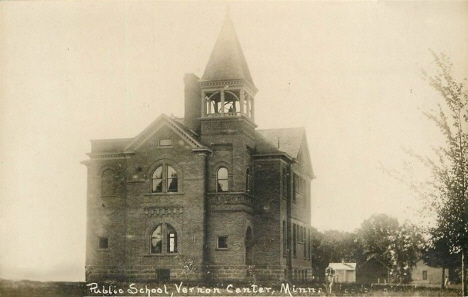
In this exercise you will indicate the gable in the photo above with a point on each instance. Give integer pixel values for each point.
(374, 264)
(163, 124)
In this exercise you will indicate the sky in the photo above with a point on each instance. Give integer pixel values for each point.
(349, 72)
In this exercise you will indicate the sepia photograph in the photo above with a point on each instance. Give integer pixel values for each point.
(233, 148)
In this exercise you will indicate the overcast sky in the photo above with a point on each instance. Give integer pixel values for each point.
(349, 72)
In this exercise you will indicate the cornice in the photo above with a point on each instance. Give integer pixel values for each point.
(114, 155)
(222, 83)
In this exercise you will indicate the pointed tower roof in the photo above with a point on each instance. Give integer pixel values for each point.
(227, 60)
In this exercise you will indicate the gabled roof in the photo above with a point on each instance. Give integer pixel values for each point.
(287, 140)
(227, 60)
(184, 132)
(375, 258)
(343, 266)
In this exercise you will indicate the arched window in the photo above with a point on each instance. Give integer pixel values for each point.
(165, 179)
(164, 236)
(222, 180)
(107, 182)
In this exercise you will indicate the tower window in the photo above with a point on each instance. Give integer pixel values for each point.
(222, 180)
(103, 243)
(248, 181)
(222, 242)
(165, 179)
(164, 235)
(231, 102)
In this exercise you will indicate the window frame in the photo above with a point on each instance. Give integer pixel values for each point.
(165, 179)
(164, 145)
(248, 180)
(225, 241)
(166, 230)
(224, 179)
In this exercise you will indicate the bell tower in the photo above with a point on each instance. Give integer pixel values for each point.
(227, 88)
(227, 126)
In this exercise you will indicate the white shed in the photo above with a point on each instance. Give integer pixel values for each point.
(344, 272)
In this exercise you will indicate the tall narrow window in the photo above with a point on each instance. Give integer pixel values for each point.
(107, 182)
(171, 179)
(171, 239)
(222, 180)
(294, 240)
(248, 181)
(157, 180)
(156, 241)
(294, 187)
(285, 183)
(285, 239)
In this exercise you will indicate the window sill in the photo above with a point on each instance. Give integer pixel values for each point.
(222, 249)
(230, 193)
(136, 181)
(162, 255)
(164, 194)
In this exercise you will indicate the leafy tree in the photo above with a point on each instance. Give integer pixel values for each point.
(343, 246)
(334, 246)
(448, 193)
(405, 250)
(375, 236)
(397, 246)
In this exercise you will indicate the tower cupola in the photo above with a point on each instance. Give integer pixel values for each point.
(227, 88)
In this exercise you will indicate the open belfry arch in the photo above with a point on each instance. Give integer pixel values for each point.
(209, 189)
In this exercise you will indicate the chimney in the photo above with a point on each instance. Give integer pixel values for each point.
(192, 102)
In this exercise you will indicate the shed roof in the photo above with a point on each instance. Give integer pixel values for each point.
(343, 266)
